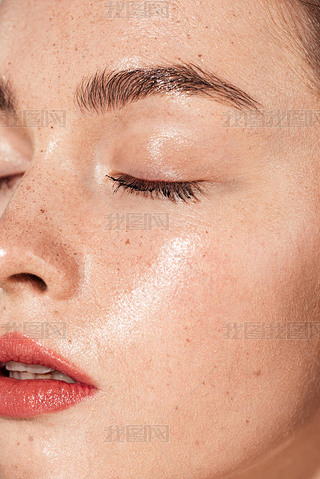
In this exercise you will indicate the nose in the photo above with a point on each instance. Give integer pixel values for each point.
(36, 255)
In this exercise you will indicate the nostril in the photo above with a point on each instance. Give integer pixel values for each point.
(29, 278)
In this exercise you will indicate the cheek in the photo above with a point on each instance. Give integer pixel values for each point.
(203, 343)
(164, 321)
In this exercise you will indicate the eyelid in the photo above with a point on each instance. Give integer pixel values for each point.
(171, 190)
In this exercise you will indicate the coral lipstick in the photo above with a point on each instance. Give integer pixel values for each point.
(24, 398)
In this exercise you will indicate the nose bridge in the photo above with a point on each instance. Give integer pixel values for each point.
(34, 237)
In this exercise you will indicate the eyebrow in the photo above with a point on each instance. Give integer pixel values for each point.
(108, 90)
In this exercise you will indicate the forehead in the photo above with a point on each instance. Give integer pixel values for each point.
(47, 47)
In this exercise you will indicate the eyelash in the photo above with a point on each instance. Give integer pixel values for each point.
(171, 190)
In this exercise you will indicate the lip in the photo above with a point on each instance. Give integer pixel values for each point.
(32, 397)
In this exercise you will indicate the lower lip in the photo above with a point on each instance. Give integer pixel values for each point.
(32, 397)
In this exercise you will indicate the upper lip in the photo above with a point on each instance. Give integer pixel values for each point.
(22, 349)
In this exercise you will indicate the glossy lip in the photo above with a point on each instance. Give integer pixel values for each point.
(31, 397)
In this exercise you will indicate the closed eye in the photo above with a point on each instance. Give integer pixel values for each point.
(185, 191)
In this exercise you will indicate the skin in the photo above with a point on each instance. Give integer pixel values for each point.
(145, 310)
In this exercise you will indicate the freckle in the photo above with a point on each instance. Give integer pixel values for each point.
(76, 48)
(247, 421)
(188, 340)
(258, 373)
(30, 438)
(176, 408)
(42, 211)
(18, 443)
(28, 187)
(199, 55)
(203, 382)
(127, 242)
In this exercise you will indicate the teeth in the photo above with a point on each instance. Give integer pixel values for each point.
(29, 368)
(62, 377)
(34, 371)
(16, 375)
(25, 375)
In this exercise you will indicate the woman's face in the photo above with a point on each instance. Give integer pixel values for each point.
(188, 316)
